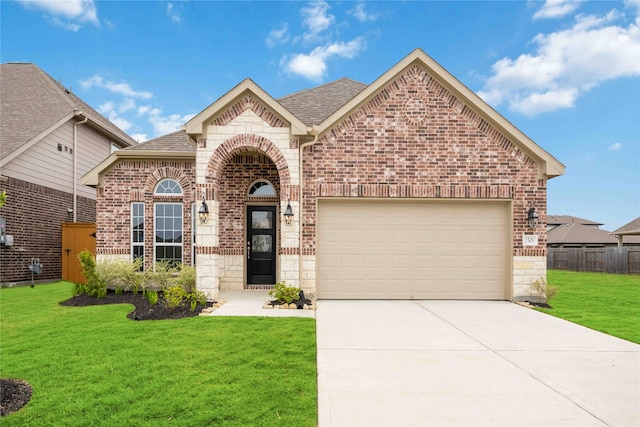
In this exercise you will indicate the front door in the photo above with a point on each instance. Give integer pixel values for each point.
(261, 245)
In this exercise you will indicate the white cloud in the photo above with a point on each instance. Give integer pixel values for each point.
(143, 109)
(278, 36)
(361, 14)
(167, 124)
(557, 8)
(126, 105)
(615, 146)
(107, 107)
(316, 19)
(313, 65)
(173, 13)
(566, 64)
(140, 137)
(69, 14)
(119, 88)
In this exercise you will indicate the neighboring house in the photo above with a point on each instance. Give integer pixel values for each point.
(554, 221)
(573, 232)
(628, 233)
(410, 187)
(49, 139)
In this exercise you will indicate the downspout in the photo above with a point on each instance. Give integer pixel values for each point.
(75, 161)
(313, 131)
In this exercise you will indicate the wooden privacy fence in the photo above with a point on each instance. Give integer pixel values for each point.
(625, 260)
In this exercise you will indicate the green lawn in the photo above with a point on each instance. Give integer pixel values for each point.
(608, 303)
(93, 366)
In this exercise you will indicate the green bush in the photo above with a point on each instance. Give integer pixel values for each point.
(284, 293)
(187, 277)
(152, 297)
(173, 296)
(94, 287)
(161, 277)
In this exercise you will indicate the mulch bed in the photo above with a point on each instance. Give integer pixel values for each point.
(14, 394)
(144, 310)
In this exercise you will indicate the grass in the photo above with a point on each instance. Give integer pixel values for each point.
(609, 303)
(93, 366)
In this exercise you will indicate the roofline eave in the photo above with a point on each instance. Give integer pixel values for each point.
(92, 178)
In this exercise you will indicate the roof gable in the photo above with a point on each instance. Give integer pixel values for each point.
(245, 95)
(32, 104)
(575, 233)
(470, 105)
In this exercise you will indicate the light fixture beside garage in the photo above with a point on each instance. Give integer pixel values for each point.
(532, 216)
(288, 213)
(203, 212)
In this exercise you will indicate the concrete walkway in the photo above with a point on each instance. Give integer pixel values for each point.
(468, 363)
(250, 302)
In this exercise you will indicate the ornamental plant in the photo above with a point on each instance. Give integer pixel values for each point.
(284, 293)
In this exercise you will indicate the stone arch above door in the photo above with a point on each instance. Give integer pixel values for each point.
(243, 143)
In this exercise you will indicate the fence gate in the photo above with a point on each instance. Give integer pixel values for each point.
(76, 237)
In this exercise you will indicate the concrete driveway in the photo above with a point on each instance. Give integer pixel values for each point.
(469, 363)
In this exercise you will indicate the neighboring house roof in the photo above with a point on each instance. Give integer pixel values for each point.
(176, 141)
(632, 228)
(32, 104)
(314, 105)
(576, 233)
(568, 219)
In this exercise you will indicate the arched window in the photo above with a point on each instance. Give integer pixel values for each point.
(168, 186)
(262, 188)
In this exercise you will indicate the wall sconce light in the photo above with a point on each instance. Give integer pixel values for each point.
(288, 213)
(532, 217)
(203, 212)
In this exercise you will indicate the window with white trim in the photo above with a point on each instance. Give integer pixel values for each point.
(262, 188)
(168, 187)
(168, 232)
(137, 231)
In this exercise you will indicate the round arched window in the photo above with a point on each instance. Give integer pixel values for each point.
(168, 186)
(262, 188)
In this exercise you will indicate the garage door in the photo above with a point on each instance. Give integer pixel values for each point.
(373, 249)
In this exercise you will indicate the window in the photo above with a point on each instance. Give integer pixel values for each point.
(168, 187)
(137, 231)
(168, 232)
(114, 147)
(262, 188)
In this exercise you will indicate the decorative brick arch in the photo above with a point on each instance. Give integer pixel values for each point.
(242, 143)
(173, 173)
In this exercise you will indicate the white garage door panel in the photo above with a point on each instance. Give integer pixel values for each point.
(408, 249)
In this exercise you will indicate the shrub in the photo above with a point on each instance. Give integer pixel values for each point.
(284, 293)
(95, 287)
(173, 296)
(161, 277)
(187, 278)
(152, 297)
(542, 289)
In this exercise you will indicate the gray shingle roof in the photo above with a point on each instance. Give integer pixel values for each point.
(314, 105)
(579, 234)
(568, 219)
(176, 141)
(32, 102)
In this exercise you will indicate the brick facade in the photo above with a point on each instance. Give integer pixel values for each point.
(27, 205)
(134, 181)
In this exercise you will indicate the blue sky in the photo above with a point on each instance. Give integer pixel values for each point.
(566, 73)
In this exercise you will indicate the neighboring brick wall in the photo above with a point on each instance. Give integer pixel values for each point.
(236, 178)
(416, 139)
(34, 217)
(134, 181)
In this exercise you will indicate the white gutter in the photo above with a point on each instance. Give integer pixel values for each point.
(314, 132)
(75, 162)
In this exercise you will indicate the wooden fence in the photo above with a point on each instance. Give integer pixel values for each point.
(625, 260)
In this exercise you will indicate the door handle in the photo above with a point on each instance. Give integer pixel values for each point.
(248, 249)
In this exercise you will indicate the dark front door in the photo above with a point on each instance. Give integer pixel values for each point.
(261, 245)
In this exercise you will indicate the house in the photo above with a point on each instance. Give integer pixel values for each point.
(628, 233)
(554, 221)
(49, 138)
(410, 187)
(564, 231)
